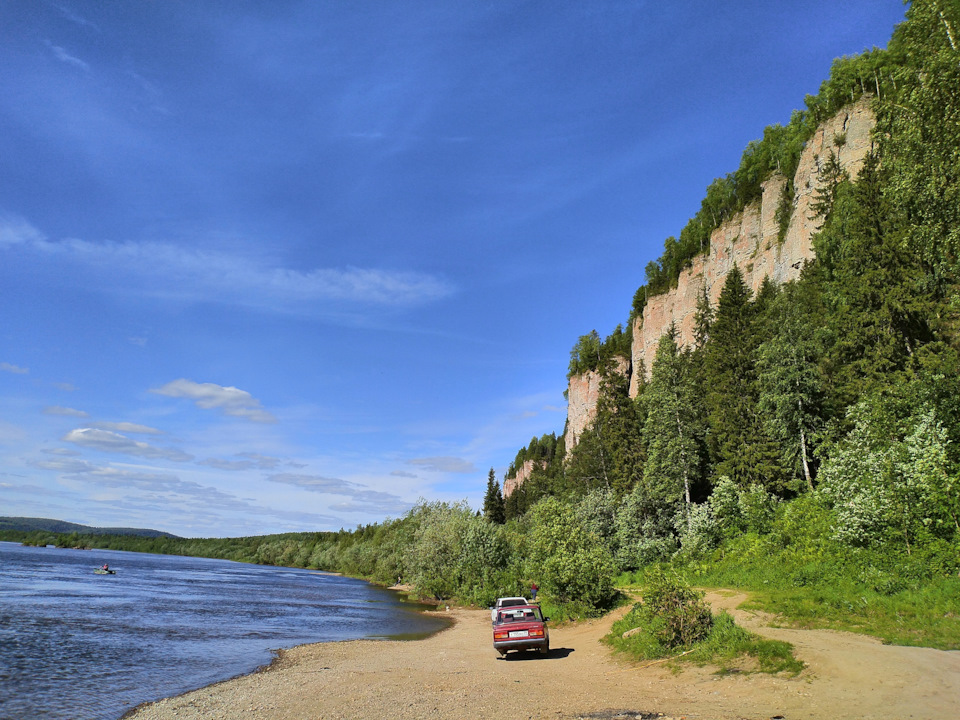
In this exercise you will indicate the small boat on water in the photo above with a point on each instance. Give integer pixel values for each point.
(101, 571)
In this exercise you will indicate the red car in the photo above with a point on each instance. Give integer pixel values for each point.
(521, 628)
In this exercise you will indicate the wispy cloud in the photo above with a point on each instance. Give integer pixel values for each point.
(107, 441)
(63, 56)
(360, 499)
(65, 412)
(444, 464)
(158, 491)
(127, 427)
(210, 396)
(74, 17)
(15, 369)
(315, 483)
(250, 461)
(372, 501)
(167, 270)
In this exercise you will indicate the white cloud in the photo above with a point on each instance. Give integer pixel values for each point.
(250, 461)
(107, 441)
(210, 396)
(65, 412)
(233, 465)
(315, 483)
(264, 462)
(444, 464)
(15, 230)
(159, 491)
(360, 499)
(63, 56)
(371, 501)
(171, 271)
(16, 370)
(127, 427)
(62, 452)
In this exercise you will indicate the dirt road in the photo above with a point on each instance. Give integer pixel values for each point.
(456, 674)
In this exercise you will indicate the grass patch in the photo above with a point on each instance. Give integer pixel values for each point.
(900, 599)
(673, 623)
(727, 646)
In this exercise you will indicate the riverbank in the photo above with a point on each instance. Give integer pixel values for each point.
(456, 674)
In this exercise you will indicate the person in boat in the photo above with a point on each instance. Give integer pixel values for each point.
(105, 567)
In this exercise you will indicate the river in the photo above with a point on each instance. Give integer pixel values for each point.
(75, 645)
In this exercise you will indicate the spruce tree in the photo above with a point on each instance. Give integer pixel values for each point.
(672, 429)
(493, 506)
(739, 446)
(790, 383)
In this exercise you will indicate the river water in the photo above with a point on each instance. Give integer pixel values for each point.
(79, 646)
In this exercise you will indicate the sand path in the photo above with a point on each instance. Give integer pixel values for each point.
(457, 674)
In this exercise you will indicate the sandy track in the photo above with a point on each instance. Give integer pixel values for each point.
(457, 674)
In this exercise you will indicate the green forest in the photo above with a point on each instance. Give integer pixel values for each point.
(806, 447)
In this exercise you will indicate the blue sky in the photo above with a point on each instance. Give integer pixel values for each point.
(276, 266)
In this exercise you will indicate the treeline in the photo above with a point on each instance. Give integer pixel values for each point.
(591, 352)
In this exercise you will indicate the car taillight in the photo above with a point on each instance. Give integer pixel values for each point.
(536, 633)
(501, 635)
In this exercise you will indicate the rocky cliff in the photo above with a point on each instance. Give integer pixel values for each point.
(750, 239)
(521, 475)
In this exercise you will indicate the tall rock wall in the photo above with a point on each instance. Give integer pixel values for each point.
(521, 475)
(750, 240)
(583, 391)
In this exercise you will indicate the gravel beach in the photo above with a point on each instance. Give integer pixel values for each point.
(456, 674)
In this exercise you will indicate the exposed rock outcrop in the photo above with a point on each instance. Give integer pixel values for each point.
(583, 391)
(521, 475)
(750, 240)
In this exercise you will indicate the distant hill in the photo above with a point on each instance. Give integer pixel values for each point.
(25, 524)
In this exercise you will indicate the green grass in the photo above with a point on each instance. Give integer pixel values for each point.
(902, 599)
(928, 616)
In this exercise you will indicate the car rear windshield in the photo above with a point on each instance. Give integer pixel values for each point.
(525, 614)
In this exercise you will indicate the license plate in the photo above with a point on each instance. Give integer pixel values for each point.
(520, 633)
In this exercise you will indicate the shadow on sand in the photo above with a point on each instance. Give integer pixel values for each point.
(554, 654)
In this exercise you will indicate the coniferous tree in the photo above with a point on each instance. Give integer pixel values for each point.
(918, 130)
(739, 445)
(879, 309)
(790, 384)
(493, 508)
(620, 431)
(672, 429)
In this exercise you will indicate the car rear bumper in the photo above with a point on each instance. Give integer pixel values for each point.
(540, 643)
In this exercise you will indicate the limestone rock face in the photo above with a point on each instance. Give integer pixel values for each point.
(582, 395)
(750, 240)
(583, 392)
(523, 474)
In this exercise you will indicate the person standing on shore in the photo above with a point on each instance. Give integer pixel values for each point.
(533, 591)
